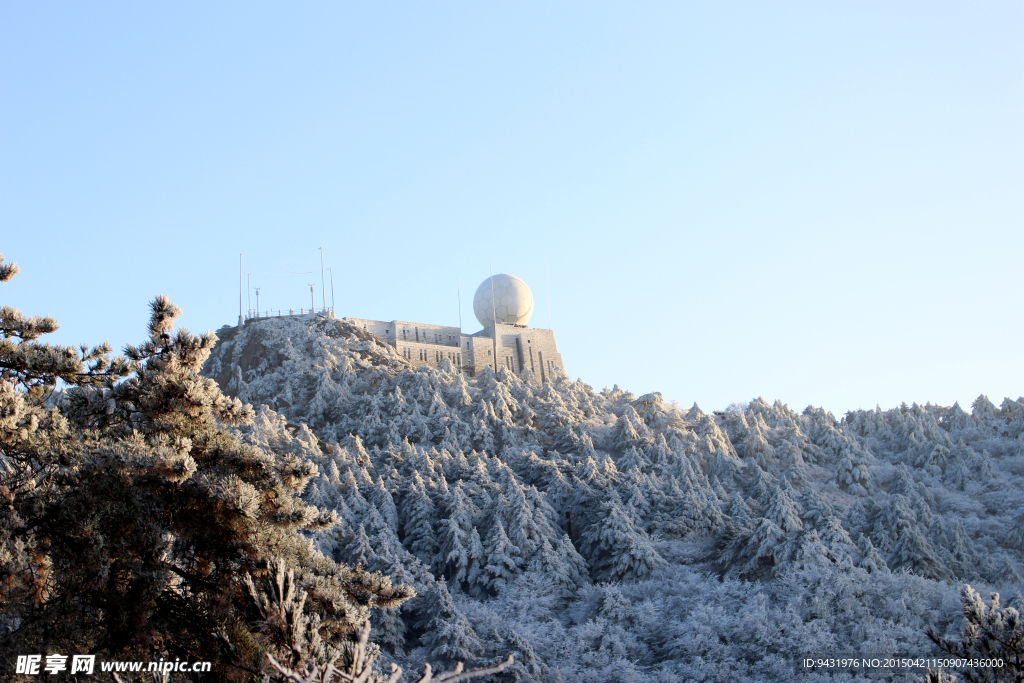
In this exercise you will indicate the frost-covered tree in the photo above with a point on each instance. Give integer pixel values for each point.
(1015, 532)
(913, 551)
(418, 513)
(636, 561)
(630, 431)
(132, 514)
(447, 634)
(476, 577)
(454, 554)
(869, 559)
(992, 633)
(384, 503)
(781, 509)
(297, 653)
(358, 550)
(617, 548)
(853, 476)
(754, 553)
(526, 527)
(503, 558)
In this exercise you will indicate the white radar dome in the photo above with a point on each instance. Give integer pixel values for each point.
(513, 301)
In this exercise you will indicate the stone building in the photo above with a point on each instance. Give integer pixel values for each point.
(503, 305)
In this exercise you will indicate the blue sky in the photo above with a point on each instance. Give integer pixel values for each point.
(817, 202)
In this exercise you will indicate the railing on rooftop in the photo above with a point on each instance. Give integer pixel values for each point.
(253, 315)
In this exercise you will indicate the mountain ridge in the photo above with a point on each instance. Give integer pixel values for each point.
(481, 492)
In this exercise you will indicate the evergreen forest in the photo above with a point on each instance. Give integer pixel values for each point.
(292, 500)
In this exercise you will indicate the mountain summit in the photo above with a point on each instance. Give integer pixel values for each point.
(605, 536)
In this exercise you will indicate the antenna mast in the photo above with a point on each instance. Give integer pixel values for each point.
(248, 290)
(257, 302)
(312, 302)
(331, 271)
(323, 285)
(547, 288)
(494, 316)
(240, 289)
(458, 292)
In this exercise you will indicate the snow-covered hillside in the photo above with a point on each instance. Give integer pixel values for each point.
(602, 536)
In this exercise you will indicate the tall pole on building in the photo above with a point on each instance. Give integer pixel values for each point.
(248, 290)
(494, 316)
(323, 285)
(257, 302)
(331, 271)
(547, 288)
(458, 293)
(240, 289)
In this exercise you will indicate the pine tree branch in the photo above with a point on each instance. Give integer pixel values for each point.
(9, 270)
(458, 675)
